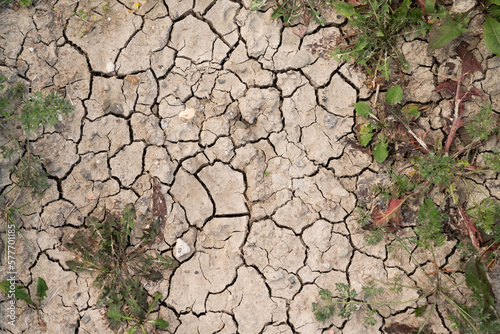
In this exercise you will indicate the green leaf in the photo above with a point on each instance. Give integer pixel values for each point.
(161, 323)
(430, 6)
(19, 292)
(394, 95)
(41, 288)
(365, 139)
(419, 311)
(116, 315)
(492, 35)
(380, 152)
(363, 109)
(344, 8)
(446, 32)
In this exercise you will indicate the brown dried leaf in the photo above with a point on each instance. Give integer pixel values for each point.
(391, 216)
(469, 62)
(299, 30)
(447, 86)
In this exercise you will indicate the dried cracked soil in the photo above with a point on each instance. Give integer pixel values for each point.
(247, 126)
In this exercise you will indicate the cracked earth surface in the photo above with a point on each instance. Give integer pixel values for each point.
(246, 125)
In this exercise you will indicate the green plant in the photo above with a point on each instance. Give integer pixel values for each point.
(482, 124)
(439, 169)
(479, 318)
(19, 292)
(24, 3)
(430, 230)
(119, 266)
(399, 186)
(367, 130)
(40, 109)
(486, 215)
(436, 168)
(379, 24)
(289, 10)
(492, 159)
(451, 27)
(484, 307)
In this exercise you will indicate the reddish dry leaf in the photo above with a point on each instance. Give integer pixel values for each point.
(447, 86)
(472, 92)
(391, 215)
(397, 328)
(299, 30)
(469, 62)
(474, 235)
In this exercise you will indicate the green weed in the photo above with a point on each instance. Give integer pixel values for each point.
(436, 168)
(19, 292)
(482, 124)
(38, 110)
(451, 27)
(492, 160)
(289, 10)
(119, 268)
(379, 24)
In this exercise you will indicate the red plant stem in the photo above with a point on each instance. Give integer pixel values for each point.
(457, 116)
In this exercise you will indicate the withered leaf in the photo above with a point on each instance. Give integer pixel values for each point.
(469, 62)
(391, 216)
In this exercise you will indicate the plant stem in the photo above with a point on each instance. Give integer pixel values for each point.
(457, 114)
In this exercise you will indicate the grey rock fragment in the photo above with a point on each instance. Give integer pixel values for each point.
(262, 35)
(161, 61)
(327, 250)
(209, 323)
(126, 165)
(193, 39)
(58, 154)
(227, 188)
(249, 301)
(222, 17)
(158, 163)
(151, 38)
(217, 252)
(270, 245)
(147, 128)
(105, 41)
(107, 133)
(338, 97)
(189, 193)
